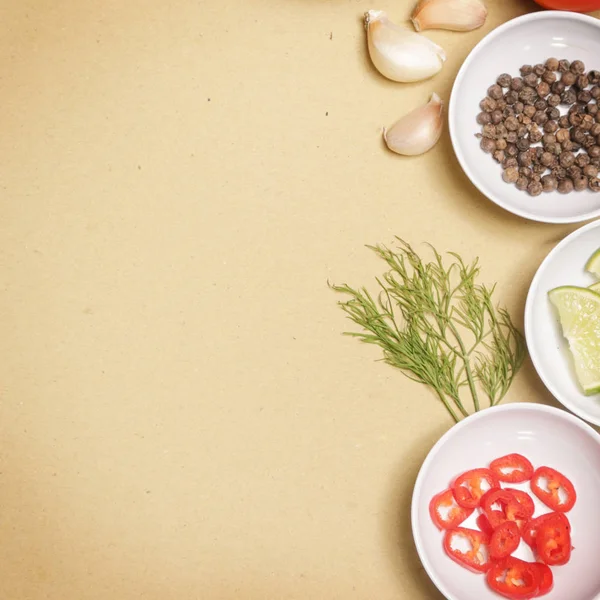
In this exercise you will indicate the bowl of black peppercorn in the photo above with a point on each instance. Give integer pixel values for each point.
(524, 117)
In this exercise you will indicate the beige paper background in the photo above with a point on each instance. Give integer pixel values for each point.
(180, 416)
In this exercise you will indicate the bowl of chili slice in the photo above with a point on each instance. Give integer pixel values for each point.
(505, 506)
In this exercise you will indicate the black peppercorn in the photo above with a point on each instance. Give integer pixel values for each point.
(577, 67)
(512, 137)
(559, 172)
(587, 122)
(582, 82)
(543, 89)
(552, 64)
(594, 184)
(589, 141)
(517, 84)
(534, 188)
(595, 92)
(526, 70)
(528, 95)
(495, 92)
(591, 109)
(562, 135)
(511, 123)
(522, 131)
(483, 118)
(563, 65)
(511, 97)
(540, 104)
(496, 116)
(538, 169)
(535, 135)
(501, 104)
(590, 171)
(488, 145)
(574, 172)
(523, 144)
(577, 135)
(594, 151)
(597, 117)
(558, 87)
(499, 155)
(568, 97)
(567, 145)
(510, 175)
(576, 108)
(530, 80)
(553, 113)
(547, 159)
(568, 78)
(501, 131)
(584, 97)
(518, 107)
(488, 104)
(595, 162)
(553, 100)
(489, 131)
(511, 150)
(539, 69)
(580, 183)
(582, 160)
(595, 130)
(565, 186)
(504, 80)
(575, 119)
(529, 110)
(550, 126)
(549, 138)
(524, 159)
(522, 183)
(549, 77)
(511, 161)
(594, 77)
(501, 143)
(566, 159)
(540, 117)
(563, 122)
(549, 183)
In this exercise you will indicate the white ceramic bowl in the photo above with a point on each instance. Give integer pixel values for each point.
(548, 349)
(530, 39)
(547, 436)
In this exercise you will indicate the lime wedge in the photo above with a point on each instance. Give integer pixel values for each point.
(595, 287)
(579, 313)
(593, 263)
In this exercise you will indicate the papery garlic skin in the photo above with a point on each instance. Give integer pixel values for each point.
(418, 131)
(455, 15)
(398, 53)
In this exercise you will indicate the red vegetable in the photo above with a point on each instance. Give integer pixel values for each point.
(501, 505)
(512, 468)
(476, 557)
(546, 579)
(514, 578)
(525, 500)
(550, 493)
(467, 488)
(529, 530)
(445, 512)
(573, 5)
(505, 540)
(553, 542)
(484, 525)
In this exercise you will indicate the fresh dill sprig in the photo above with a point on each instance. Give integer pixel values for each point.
(439, 327)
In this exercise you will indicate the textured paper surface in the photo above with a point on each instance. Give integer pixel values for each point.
(180, 416)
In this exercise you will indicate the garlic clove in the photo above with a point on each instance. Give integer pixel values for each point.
(398, 53)
(456, 15)
(418, 131)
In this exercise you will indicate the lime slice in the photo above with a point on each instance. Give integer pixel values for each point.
(593, 263)
(595, 287)
(579, 313)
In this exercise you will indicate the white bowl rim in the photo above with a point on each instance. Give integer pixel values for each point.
(452, 108)
(529, 333)
(455, 430)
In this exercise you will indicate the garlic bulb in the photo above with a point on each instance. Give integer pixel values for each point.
(418, 131)
(456, 15)
(400, 54)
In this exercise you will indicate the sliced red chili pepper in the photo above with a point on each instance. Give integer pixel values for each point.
(468, 488)
(550, 493)
(553, 542)
(514, 578)
(529, 530)
(546, 579)
(512, 468)
(505, 540)
(445, 512)
(501, 505)
(484, 525)
(525, 500)
(469, 548)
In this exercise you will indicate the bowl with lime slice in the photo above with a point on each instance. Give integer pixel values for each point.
(562, 322)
